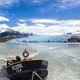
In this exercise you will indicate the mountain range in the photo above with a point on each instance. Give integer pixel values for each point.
(8, 34)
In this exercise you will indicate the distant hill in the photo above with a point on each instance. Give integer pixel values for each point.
(11, 34)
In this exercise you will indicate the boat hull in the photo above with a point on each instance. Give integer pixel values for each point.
(24, 70)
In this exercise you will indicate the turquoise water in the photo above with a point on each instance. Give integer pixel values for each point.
(63, 59)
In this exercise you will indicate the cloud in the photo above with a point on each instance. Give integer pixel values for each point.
(37, 2)
(59, 5)
(43, 26)
(3, 18)
(48, 4)
(56, 22)
(6, 3)
(4, 26)
(60, 27)
(52, 30)
(21, 20)
(21, 27)
(67, 4)
(43, 20)
(57, 26)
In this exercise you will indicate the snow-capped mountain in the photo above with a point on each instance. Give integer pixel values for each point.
(4, 29)
(7, 34)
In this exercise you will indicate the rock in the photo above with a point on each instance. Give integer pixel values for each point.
(74, 39)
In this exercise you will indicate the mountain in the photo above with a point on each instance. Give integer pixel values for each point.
(8, 34)
(4, 29)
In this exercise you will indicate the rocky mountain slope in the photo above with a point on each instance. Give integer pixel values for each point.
(11, 34)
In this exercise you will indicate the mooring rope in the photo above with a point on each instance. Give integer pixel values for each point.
(35, 73)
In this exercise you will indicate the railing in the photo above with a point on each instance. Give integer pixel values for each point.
(35, 73)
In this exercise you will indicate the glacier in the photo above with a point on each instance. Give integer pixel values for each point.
(42, 39)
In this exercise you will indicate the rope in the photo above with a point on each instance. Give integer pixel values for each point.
(35, 73)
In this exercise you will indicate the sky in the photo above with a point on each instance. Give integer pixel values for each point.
(42, 17)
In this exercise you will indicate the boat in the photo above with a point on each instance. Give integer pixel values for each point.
(27, 69)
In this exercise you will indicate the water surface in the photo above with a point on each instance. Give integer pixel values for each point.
(63, 59)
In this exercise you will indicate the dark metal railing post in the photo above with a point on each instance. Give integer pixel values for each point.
(35, 73)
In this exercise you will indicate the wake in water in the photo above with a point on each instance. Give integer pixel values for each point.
(63, 59)
(3, 73)
(9, 56)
